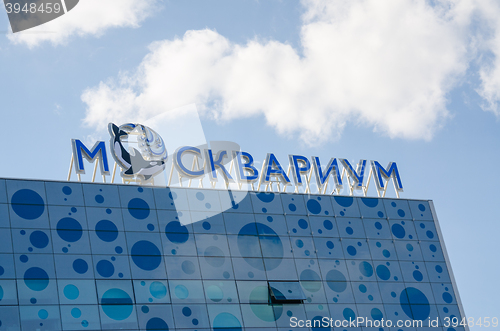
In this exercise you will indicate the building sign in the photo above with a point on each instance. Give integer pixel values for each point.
(142, 164)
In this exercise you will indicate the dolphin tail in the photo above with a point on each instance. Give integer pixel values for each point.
(129, 171)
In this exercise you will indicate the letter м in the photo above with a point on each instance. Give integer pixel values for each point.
(98, 151)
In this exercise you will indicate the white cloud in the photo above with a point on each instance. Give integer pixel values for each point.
(89, 17)
(385, 64)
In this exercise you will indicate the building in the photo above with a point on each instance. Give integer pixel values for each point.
(87, 256)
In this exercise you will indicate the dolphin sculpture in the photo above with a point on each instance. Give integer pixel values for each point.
(133, 164)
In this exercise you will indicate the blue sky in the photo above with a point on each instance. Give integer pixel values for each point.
(396, 81)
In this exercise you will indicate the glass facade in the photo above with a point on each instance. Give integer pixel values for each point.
(83, 256)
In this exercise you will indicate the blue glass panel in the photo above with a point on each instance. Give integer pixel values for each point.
(140, 220)
(377, 228)
(77, 291)
(248, 268)
(293, 204)
(431, 251)
(136, 197)
(280, 269)
(220, 291)
(101, 195)
(10, 319)
(146, 258)
(328, 248)
(323, 226)
(6, 242)
(171, 198)
(182, 267)
(151, 291)
(155, 317)
(397, 209)
(361, 270)
(437, 272)
(318, 205)
(366, 292)
(258, 315)
(235, 201)
(355, 249)
(350, 227)
(345, 206)
(271, 225)
(208, 222)
(4, 216)
(275, 246)
(344, 312)
(408, 250)
(40, 290)
(266, 203)
(190, 316)
(216, 267)
(64, 194)
(8, 293)
(426, 231)
(42, 318)
(74, 266)
(111, 267)
(253, 291)
(420, 210)
(403, 230)
(283, 314)
(443, 293)
(34, 266)
(303, 247)
(315, 313)
(243, 224)
(3, 191)
(382, 250)
(28, 207)
(225, 317)
(186, 291)
(203, 200)
(414, 271)
(372, 208)
(391, 292)
(7, 266)
(69, 241)
(387, 271)
(26, 192)
(31, 241)
(107, 240)
(80, 317)
(298, 225)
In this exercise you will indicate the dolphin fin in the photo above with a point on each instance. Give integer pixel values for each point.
(113, 129)
(129, 171)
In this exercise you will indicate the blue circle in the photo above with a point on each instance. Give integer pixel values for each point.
(67, 190)
(145, 309)
(344, 201)
(421, 207)
(27, 204)
(99, 198)
(2, 270)
(429, 234)
(370, 202)
(398, 231)
(299, 243)
(303, 224)
(76, 313)
(401, 213)
(188, 267)
(71, 292)
(117, 304)
(329, 244)
(43, 314)
(362, 288)
(383, 272)
(265, 197)
(206, 225)
(138, 208)
(439, 269)
(380, 214)
(69, 229)
(349, 230)
(414, 303)
(186, 311)
(150, 227)
(417, 275)
(336, 281)
(447, 297)
(349, 314)
(292, 207)
(36, 279)
(433, 248)
(366, 269)
(105, 268)
(351, 250)
(23, 258)
(176, 232)
(181, 292)
(313, 206)
(80, 266)
(106, 230)
(409, 247)
(146, 255)
(328, 224)
(226, 321)
(158, 290)
(378, 225)
(200, 196)
(376, 314)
